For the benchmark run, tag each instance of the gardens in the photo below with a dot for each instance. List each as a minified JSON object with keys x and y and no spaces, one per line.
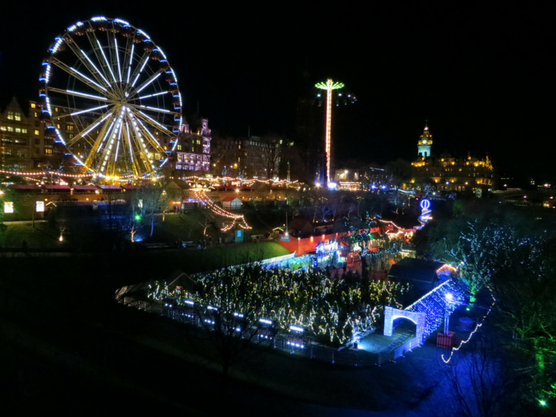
{"x":333,"y":311}
{"x":516,"y":264}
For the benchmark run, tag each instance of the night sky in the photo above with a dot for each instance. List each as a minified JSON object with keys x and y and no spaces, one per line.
{"x":482,"y":77}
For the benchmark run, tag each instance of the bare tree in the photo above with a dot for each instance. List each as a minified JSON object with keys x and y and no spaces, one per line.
{"x":228,"y":308}
{"x":270,"y":154}
{"x":145,"y":203}
{"x":480,"y":383}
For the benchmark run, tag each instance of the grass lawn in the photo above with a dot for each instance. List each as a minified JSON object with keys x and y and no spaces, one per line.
{"x":160,"y":264}
{"x":39,"y":237}
{"x":190,"y":227}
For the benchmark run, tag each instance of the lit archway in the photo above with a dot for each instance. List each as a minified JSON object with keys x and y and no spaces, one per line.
{"x":390,"y":314}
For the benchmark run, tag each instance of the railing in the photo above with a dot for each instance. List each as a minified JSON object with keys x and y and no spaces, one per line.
{"x":304,"y":347}
{"x":392,"y":355}
{"x":278,"y":259}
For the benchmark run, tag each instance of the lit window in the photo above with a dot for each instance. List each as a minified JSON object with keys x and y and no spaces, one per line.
{"x":24,"y":131}
{"x":69,"y":127}
{"x":17,"y":130}
{"x":33,"y":105}
{"x":47,"y":151}
{"x":37,"y":133}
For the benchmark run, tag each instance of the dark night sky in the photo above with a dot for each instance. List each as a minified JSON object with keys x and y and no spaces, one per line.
{"x":483,"y":77}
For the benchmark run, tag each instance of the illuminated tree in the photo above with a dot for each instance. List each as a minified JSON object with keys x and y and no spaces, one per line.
{"x":337,"y":310}
{"x":526,"y":287}
{"x":514,"y":255}
{"x":228,"y":305}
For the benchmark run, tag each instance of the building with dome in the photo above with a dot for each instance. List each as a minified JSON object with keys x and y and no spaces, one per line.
{"x":447,"y":173}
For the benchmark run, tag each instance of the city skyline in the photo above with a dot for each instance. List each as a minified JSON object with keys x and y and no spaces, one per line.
{"x":479,"y":79}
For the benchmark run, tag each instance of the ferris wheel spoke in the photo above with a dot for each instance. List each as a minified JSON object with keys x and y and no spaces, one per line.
{"x":139,"y":69}
{"x":113,"y":149}
{"x":155,"y":144}
{"x":127,"y":151}
{"x":142,"y":131}
{"x":130,"y":62}
{"x":87,"y":63}
{"x":111,"y":56}
{"x":134,"y":163}
{"x":104,"y":133}
{"x":103,"y":55}
{"x":83,"y":134}
{"x":90,"y":110}
{"x":149,"y":108}
{"x":138,"y":151}
{"x":79,"y":76}
{"x":149,"y":120}
{"x":146,"y":83}
{"x":150,"y":95}
{"x":96,"y":47}
{"x":76,"y":94}
{"x":117,"y":53}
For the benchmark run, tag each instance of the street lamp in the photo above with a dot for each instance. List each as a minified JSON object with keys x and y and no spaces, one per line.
{"x":449,"y":303}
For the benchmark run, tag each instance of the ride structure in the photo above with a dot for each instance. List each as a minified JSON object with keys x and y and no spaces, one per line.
{"x":109,"y":95}
{"x":329,"y":86}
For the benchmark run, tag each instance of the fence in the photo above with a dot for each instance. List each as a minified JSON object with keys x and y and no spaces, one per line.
{"x":296,"y":345}
{"x":278,"y":259}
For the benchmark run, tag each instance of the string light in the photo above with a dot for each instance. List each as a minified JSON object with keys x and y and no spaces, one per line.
{"x":44,"y":173}
{"x":201,"y":195}
{"x":236,"y":181}
{"x":463,"y":342}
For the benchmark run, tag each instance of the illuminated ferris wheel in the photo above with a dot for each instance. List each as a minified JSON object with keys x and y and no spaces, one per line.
{"x":110,"y":96}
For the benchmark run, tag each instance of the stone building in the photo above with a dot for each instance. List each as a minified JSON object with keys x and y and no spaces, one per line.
{"x":254,"y":157}
{"x":192,"y":153}
{"x":23,"y":146}
{"x":446,"y":173}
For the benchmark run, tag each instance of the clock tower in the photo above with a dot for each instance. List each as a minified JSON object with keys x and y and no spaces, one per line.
{"x":425,"y":143}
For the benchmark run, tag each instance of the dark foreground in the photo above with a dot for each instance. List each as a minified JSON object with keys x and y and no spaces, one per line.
{"x":85,"y":354}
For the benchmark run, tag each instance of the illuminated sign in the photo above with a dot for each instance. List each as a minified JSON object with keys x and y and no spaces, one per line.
{"x":39,"y":206}
{"x":425,"y":205}
{"x":8,"y":206}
